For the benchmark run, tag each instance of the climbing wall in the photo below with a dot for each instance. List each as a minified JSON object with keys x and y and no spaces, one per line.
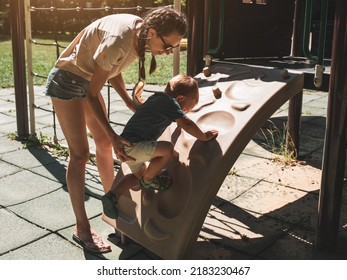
{"x":234,"y":99}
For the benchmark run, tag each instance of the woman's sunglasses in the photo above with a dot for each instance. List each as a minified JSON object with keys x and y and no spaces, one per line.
{"x":167,"y":47}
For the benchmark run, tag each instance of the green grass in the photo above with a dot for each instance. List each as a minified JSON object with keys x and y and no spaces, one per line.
{"x":6,"y":65}
{"x":45,"y":56}
{"x":275,"y":140}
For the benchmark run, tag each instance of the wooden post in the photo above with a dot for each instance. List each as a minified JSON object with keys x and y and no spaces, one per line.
{"x":176,"y":53}
{"x":334,"y":156}
{"x":18,"y":51}
{"x":195,"y":37}
{"x":294,"y":123}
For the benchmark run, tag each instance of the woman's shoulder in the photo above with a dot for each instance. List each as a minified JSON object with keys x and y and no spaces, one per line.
{"x":119,"y":19}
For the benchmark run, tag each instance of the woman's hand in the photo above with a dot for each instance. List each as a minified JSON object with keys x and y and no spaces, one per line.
{"x":132,"y":106}
{"x":118,"y":144}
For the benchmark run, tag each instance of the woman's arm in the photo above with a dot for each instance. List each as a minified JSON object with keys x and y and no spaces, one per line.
{"x":97,"y":82}
{"x":189,"y":126}
{"x":118,"y":84}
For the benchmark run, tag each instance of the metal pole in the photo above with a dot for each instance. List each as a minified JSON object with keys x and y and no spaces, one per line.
{"x":334,"y":156}
{"x":18,"y":50}
{"x":322,"y":31}
{"x":307,"y":30}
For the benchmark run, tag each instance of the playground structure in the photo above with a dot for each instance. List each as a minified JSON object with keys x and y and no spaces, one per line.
{"x":168,"y":223}
{"x":334,"y":158}
{"x":334,"y":154}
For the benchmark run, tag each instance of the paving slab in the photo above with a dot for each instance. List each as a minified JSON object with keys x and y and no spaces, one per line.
{"x":17,"y":232}
{"x":234,"y":186}
{"x":119,"y":251}
{"x":309,"y":146}
{"x":93,"y":182}
{"x":299,"y":244}
{"x":43,"y":117}
{"x":5,"y":119}
{"x":314,"y":159}
{"x":205,"y":249}
{"x":278,"y":202}
{"x":24,"y":186}
{"x":253,"y":167}
{"x":241,"y":230}
{"x":311,"y":110}
{"x":120,"y":117}
{"x":314,"y":127}
{"x":6,"y":106}
{"x":55,"y":171}
{"x":297,"y":176}
{"x":321,"y":102}
{"x":10,"y":113}
{"x":9,"y":127}
{"x":7,"y":145}
{"x":43,"y":102}
{"x":99,"y":226}
{"x":7,"y":92}
{"x":29,"y":158}
{"x":254,"y":149}
{"x":50,"y":247}
{"x":53,"y":210}
{"x":7,"y":169}
{"x":48,"y":131}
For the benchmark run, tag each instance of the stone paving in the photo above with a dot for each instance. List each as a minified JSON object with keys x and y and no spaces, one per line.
{"x":266,"y":209}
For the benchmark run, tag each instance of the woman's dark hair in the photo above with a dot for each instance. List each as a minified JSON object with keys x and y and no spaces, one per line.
{"x":164,"y":21}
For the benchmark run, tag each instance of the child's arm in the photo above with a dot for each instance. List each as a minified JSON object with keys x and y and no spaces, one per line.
{"x":189,"y":126}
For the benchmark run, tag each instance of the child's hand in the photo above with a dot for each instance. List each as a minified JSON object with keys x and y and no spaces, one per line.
{"x":211,"y":134}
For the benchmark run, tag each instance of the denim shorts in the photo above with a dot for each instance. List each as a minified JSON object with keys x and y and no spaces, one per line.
{"x":142,"y":152}
{"x":66,"y":85}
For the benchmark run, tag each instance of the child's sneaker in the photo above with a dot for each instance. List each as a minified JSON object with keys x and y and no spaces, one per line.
{"x":159,"y":183}
{"x":109,"y":202}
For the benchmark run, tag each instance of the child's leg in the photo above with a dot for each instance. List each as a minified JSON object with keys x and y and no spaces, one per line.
{"x":110,"y":199}
{"x":161,"y":157}
{"x":127,"y":182}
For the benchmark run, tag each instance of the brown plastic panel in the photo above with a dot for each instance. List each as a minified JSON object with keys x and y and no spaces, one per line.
{"x":168,"y":223}
{"x":253,"y":30}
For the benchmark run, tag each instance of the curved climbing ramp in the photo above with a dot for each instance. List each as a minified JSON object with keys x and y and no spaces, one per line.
{"x":234,"y":99}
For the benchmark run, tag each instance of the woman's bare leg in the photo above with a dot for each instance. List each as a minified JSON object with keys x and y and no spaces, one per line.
{"x":104,"y":151}
{"x":72,"y":121}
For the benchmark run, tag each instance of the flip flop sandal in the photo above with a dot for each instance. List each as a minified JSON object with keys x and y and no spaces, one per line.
{"x":109,"y":202}
{"x":137,"y":92}
{"x":91,"y":246}
{"x":159,"y":183}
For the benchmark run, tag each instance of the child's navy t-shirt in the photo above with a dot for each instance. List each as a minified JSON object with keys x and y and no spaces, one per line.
{"x":152,"y":118}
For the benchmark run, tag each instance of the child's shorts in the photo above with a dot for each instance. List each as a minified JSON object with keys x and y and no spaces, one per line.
{"x":66,"y":85}
{"x":142,"y":152}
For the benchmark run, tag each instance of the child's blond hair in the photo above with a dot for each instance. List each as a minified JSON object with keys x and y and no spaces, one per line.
{"x":182,"y":85}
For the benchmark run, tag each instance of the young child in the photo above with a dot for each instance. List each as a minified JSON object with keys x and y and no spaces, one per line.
{"x":145,"y":127}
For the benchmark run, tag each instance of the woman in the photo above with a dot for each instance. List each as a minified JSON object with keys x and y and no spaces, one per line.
{"x":99,"y":53}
